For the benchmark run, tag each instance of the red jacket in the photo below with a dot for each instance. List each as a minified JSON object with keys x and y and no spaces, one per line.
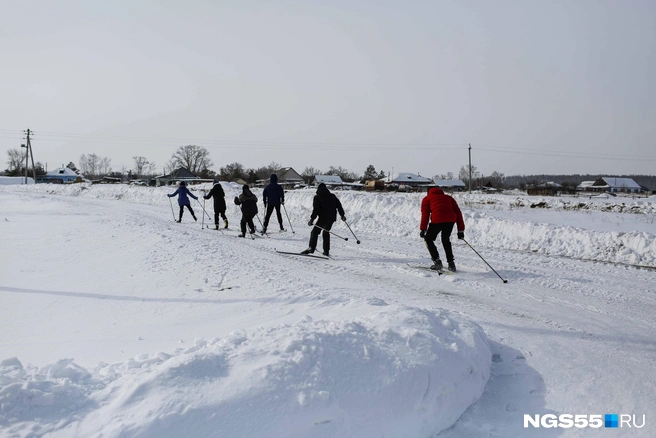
{"x":440,"y":208}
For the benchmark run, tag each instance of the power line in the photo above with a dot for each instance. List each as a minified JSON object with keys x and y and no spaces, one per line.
{"x":313,"y":145}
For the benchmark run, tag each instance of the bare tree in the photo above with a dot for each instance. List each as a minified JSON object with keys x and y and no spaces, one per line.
{"x":309,"y":173}
{"x":104,"y":166}
{"x":233,"y":171}
{"x":142,"y":167}
{"x":89,"y":164}
{"x":194,"y":158}
{"x":94,"y":165}
{"x":265,"y":171}
{"x":497,"y":178}
{"x":463,"y":175}
{"x":15,"y":159}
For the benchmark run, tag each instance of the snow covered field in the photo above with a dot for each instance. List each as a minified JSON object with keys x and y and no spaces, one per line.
{"x":117,"y":321}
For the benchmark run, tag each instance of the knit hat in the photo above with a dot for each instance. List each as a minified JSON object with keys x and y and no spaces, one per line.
{"x":245,"y":187}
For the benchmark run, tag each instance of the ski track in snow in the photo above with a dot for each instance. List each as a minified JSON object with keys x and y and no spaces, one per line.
{"x":557,"y":329}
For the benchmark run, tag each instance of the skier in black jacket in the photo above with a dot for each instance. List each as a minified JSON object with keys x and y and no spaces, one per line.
{"x":219,"y":204}
{"x":273,"y":196}
{"x":324,"y":206}
{"x":248,"y":202}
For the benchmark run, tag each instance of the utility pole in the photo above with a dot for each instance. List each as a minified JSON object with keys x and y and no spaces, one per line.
{"x":28,"y":154}
{"x":29,"y":147}
{"x":470,"y":179}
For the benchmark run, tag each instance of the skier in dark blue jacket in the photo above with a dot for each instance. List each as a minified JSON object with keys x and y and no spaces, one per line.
{"x":273,"y":197}
{"x":183,"y":201}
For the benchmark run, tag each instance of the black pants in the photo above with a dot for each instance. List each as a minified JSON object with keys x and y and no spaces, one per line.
{"x":433,"y":230}
{"x":216,"y":217}
{"x":268,"y":215}
{"x":314,"y":235}
{"x":190,"y":209}
{"x":247,"y":218}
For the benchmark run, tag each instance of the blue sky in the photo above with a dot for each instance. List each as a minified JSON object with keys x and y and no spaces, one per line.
{"x":534,"y":86}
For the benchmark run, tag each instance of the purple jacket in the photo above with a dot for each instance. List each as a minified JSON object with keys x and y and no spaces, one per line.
{"x":182,"y":193}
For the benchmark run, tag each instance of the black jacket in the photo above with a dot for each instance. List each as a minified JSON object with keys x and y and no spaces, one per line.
{"x":326,"y":205}
{"x":219,"y":197}
{"x":248,"y":201}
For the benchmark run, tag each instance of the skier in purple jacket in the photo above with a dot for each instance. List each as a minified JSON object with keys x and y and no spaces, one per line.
{"x":183,"y":201}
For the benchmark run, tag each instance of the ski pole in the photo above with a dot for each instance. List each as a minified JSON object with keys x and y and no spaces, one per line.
{"x":261,"y":225}
{"x":202,"y":222}
{"x":356,"y":237}
{"x":201,"y":206}
{"x":505,"y":281}
{"x":172,"y":212}
{"x":328,"y":231}
{"x":290,"y":222}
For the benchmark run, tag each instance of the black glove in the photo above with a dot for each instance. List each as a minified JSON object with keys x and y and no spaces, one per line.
{"x":311,"y":222}
{"x":237,"y":200}
{"x":344,"y":218}
{"x":461,"y":235}
{"x":422,"y":233}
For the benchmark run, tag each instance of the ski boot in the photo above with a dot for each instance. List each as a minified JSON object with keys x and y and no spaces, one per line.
{"x":452,"y":266}
{"x":437,"y":265}
{"x":308,"y":251}
{"x":225,"y":224}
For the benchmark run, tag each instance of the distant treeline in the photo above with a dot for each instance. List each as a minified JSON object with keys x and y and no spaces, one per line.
{"x":522,"y":181}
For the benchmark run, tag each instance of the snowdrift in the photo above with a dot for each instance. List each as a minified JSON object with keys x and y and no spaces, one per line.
{"x":401,"y":371}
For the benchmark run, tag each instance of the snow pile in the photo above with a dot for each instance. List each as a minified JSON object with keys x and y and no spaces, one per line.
{"x":398,"y":370}
{"x":599,"y":202}
{"x":14,"y":180}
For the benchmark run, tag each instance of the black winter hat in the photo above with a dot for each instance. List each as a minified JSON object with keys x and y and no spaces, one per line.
{"x":245,"y":188}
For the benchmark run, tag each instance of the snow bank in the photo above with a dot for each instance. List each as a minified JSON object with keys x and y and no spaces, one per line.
{"x":398,"y":215}
{"x":14,"y":180}
{"x":398,"y":371}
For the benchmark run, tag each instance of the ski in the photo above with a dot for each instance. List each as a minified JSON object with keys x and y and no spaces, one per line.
{"x":316,"y":256}
{"x":267,"y":233}
{"x":439,"y":272}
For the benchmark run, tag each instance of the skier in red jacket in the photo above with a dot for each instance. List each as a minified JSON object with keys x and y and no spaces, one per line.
{"x":443,"y":212}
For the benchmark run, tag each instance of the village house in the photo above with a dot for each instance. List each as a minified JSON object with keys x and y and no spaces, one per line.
{"x":610,"y":184}
{"x":60,"y":176}
{"x":180,"y":174}
{"x":329,"y":180}
{"x":450,"y":185}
